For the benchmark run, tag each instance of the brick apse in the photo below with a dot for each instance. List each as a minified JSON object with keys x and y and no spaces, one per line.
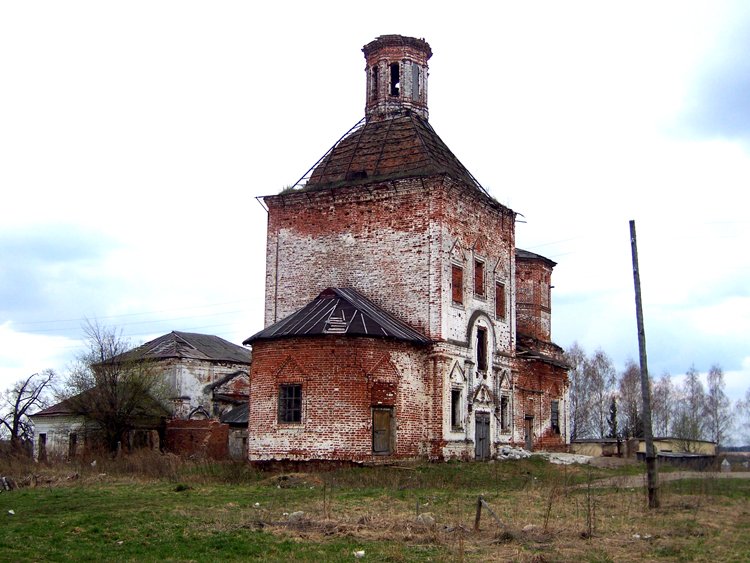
{"x":400,"y":319}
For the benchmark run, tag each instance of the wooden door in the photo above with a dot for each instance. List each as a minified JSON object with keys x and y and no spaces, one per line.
{"x":382,"y":435}
{"x":482,"y":435}
{"x":528,"y":432}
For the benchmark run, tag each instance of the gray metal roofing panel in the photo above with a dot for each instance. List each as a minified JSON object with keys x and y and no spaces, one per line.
{"x":342,"y":311}
{"x":177,"y":344}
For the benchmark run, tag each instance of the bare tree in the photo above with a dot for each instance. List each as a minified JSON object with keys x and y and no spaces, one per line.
{"x":689,"y":424}
{"x":629,"y":390}
{"x":113,"y":387}
{"x":718,"y":407}
{"x":600,"y":378}
{"x":663,"y":401}
{"x":580,"y":403}
{"x":742,"y":418}
{"x":25,"y":397}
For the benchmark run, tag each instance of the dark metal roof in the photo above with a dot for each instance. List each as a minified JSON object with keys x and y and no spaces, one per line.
{"x":404,"y":146}
{"x":526,"y":255}
{"x":238,"y":416}
{"x":64,"y":407}
{"x":341,"y":311}
{"x":189,"y":345}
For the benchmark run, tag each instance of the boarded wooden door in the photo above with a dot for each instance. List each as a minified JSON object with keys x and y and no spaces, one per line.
{"x":482,"y":435}
{"x":382,"y":435}
{"x":528,"y":432}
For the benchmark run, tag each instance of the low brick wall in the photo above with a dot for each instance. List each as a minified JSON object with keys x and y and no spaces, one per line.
{"x":198,"y":438}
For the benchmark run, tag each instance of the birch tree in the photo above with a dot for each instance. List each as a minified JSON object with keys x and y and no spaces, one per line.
{"x":690,"y":420}
{"x":580,"y":404}
{"x":663,"y":401}
{"x":629,"y":390}
{"x":718,"y":408}
{"x":600,"y":378}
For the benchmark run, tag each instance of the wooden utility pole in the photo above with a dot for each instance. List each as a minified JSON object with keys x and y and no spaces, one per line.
{"x":651,"y":472}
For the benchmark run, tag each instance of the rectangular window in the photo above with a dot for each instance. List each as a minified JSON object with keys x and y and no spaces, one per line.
{"x":290,"y":403}
{"x":478,"y":278}
{"x":504,"y":413}
{"x":555,"y":416}
{"x":457,"y":284}
{"x":500,"y":300}
{"x":382,"y":435}
{"x":481,"y":348}
{"x":455,"y":409}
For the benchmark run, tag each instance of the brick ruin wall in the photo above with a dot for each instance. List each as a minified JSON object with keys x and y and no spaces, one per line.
{"x":533,"y":306}
{"x":197,"y":438}
{"x":395,"y":243}
{"x":537,"y":384}
{"x":342,"y":379}
{"x":375,"y":240}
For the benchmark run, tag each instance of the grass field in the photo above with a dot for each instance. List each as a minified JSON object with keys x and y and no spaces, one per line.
{"x":150,"y":508}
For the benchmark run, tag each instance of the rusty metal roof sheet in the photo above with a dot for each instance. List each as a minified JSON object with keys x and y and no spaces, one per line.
{"x":340,"y":311}
{"x":191,"y":345}
{"x":404,"y":146}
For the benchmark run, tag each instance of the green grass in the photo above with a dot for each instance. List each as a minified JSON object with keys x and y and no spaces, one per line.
{"x":230,"y":512}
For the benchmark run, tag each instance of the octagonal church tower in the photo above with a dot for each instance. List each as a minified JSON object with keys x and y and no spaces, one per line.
{"x":390,"y":294}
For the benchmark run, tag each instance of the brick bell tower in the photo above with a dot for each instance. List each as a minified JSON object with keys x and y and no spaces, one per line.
{"x":396,"y":76}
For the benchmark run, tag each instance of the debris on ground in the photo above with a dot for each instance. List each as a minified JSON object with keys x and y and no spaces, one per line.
{"x":560,"y":458}
{"x":509,"y":452}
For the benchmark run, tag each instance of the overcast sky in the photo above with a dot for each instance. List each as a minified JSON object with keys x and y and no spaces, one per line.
{"x":135,"y":137}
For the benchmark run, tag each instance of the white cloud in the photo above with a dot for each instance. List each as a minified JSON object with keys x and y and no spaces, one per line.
{"x":24,"y":354}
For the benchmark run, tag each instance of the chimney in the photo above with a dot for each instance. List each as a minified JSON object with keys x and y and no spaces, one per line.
{"x":396,"y":76}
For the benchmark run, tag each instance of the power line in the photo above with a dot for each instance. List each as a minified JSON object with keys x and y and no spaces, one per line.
{"x":79,"y":319}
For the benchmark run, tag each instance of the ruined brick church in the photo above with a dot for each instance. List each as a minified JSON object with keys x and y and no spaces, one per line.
{"x":401,"y":321}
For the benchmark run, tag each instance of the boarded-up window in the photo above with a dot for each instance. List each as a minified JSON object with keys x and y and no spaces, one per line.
{"x":457,"y":283}
{"x":455,"y":409}
{"x":414,"y":81}
{"x":555,"y":416}
{"x":478,"y":278}
{"x":382,"y":436}
{"x":290,"y":403}
{"x":500,"y":300}
{"x":482,"y":349}
{"x":504,"y":413}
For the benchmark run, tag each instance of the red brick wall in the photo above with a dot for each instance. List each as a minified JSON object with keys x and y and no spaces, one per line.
{"x":342,"y":379}
{"x":393,"y":242}
{"x":537,"y":384}
{"x":375,"y":240}
{"x":533,"y":307}
{"x":200,"y":438}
